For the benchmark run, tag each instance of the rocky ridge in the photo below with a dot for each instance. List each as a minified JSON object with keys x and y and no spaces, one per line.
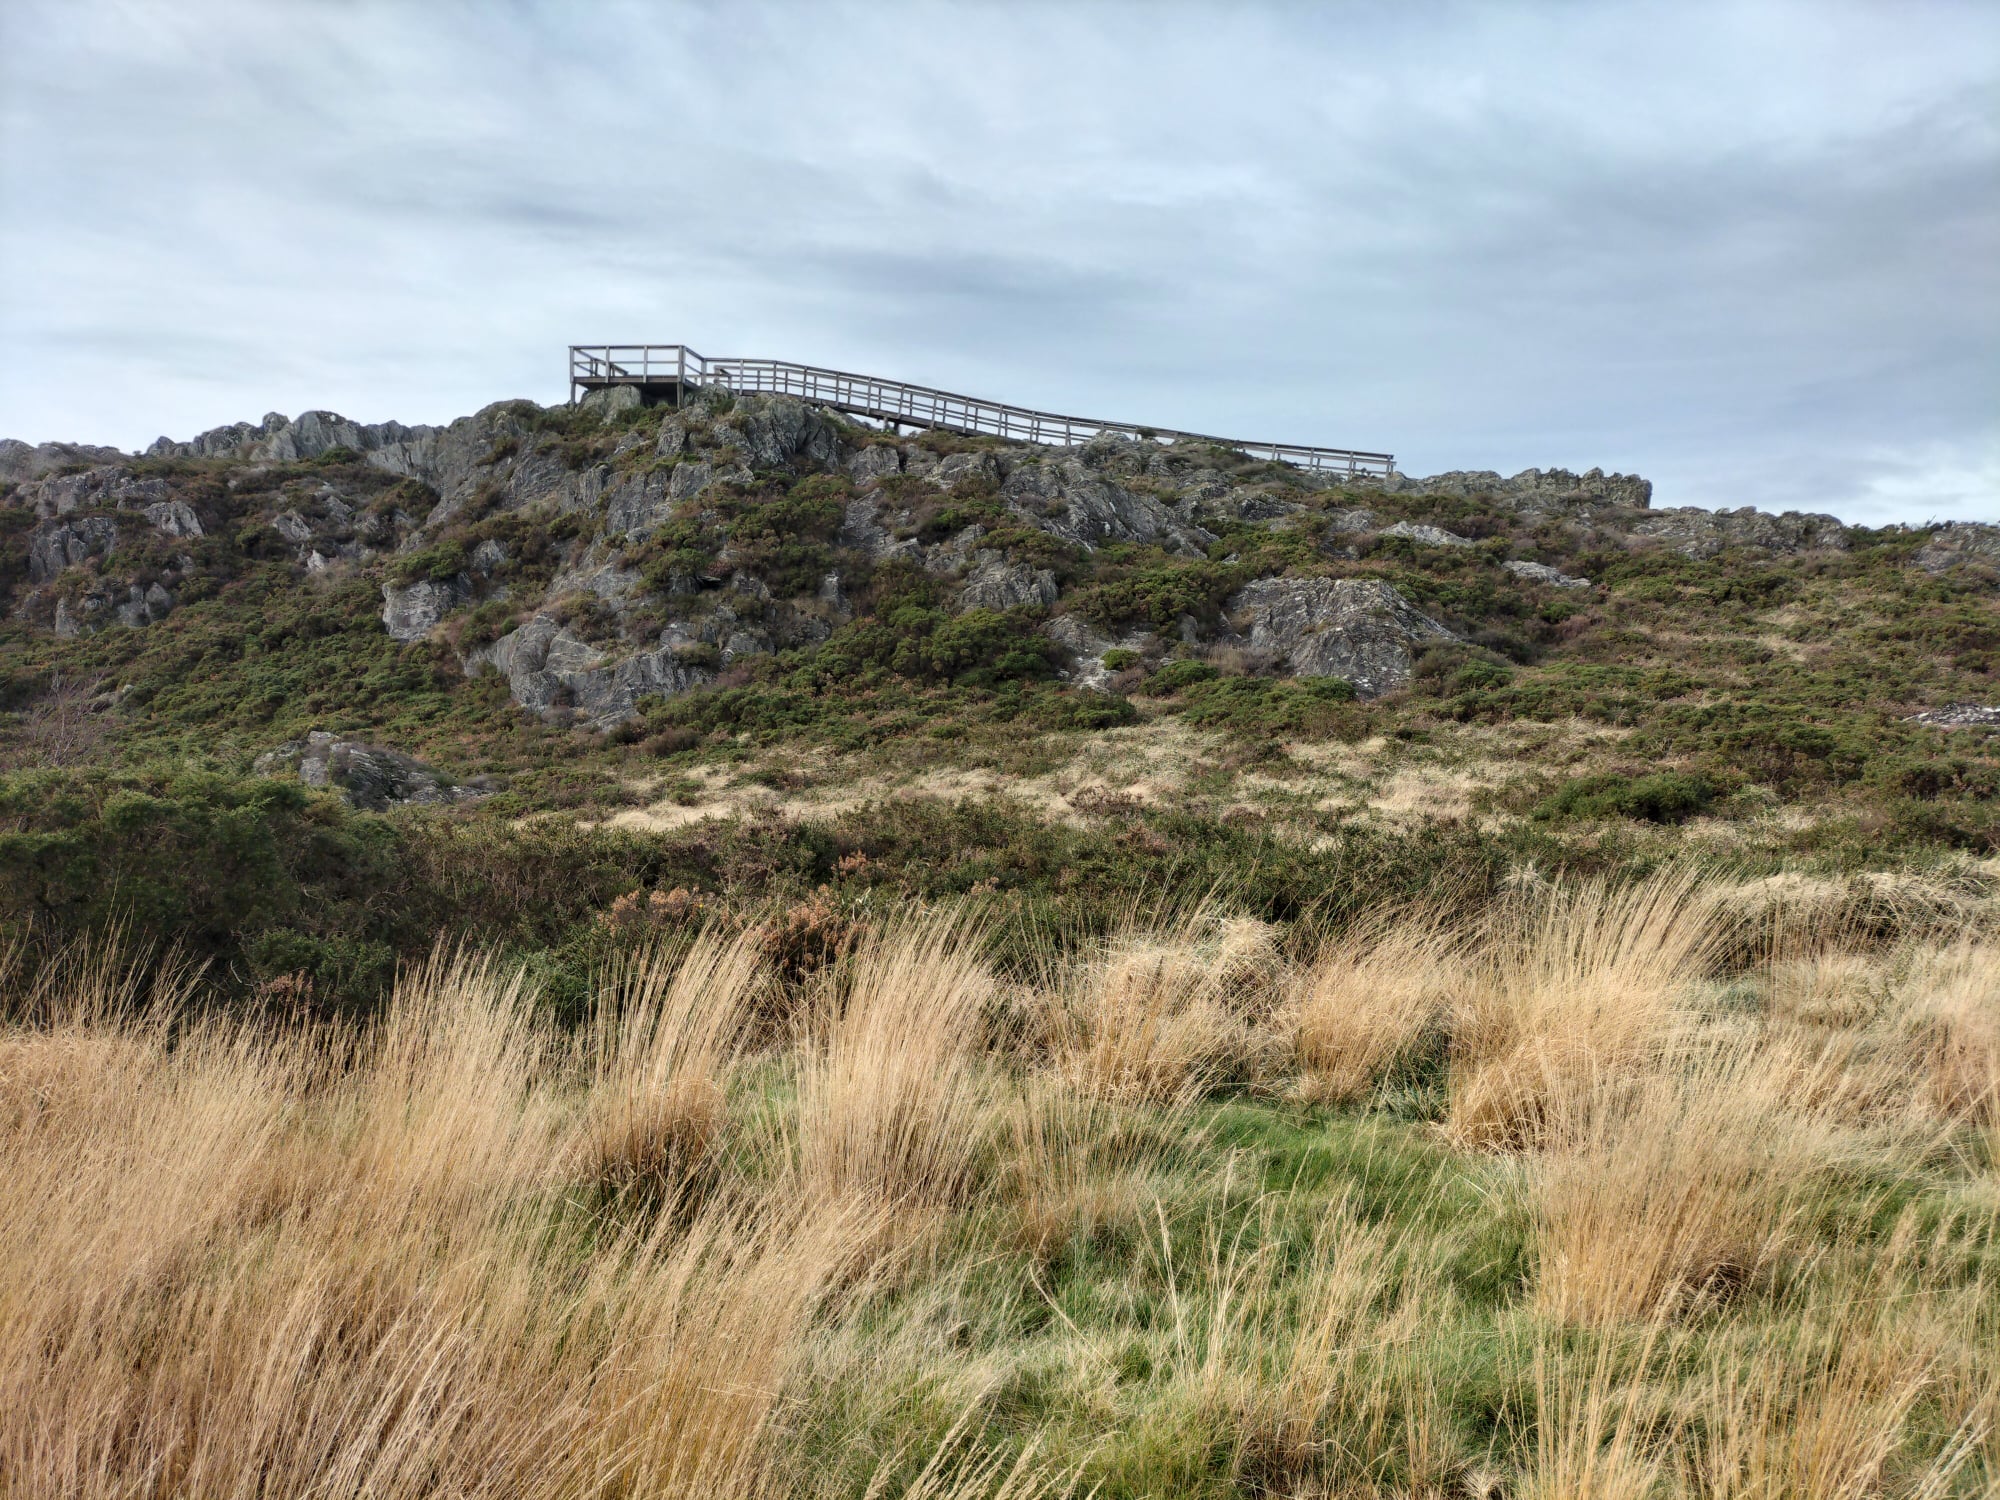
{"x":594,"y":558}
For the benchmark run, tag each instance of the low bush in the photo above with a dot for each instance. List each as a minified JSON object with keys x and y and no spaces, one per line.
{"x":1663,"y":797}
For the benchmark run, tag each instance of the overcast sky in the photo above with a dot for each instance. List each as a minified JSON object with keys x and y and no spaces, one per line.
{"x":1751,"y":251}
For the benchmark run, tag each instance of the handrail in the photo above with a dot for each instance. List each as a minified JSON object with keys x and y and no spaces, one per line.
{"x":596,"y":366}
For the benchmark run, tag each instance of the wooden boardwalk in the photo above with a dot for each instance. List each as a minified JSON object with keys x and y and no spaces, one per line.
{"x":671,"y":371}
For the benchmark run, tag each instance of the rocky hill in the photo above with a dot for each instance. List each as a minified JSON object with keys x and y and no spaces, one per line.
{"x":600,"y":557}
{"x":292,"y":696}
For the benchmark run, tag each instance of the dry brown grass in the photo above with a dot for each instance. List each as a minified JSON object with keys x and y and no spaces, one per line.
{"x":1582,"y":986}
{"x":1369,"y":1000}
{"x":666,"y":1026}
{"x":1670,"y":1189}
{"x":892,"y":1094}
{"x":236,"y":1261}
{"x":430,"y":1257}
{"x":1159,"y":1017}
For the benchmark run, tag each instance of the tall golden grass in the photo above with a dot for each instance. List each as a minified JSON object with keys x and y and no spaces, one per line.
{"x":462,"y":1251}
{"x":1579,"y":987}
{"x":240,"y":1261}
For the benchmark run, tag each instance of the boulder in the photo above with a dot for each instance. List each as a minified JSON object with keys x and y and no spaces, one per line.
{"x":368,"y":776}
{"x":875,"y":462}
{"x":1360,"y":629}
{"x":995,"y":583}
{"x":174,"y":518}
{"x":549,"y":667}
{"x":411,"y":611}
{"x":1534,"y":572}
{"x":1429,"y":536}
{"x":611,"y":400}
{"x":144,"y":606}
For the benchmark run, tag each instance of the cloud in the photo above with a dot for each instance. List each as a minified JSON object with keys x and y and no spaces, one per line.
{"x":1744,"y":249}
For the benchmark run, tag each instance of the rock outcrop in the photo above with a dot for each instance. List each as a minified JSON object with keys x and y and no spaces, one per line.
{"x":368,"y":776}
{"x":1533,"y":491}
{"x":995,"y":583}
{"x":1959,"y":716}
{"x":1961,"y":542}
{"x":1534,"y":572}
{"x":1356,"y":628}
{"x":56,"y":545}
{"x":1701,"y":534}
{"x":411,"y":611}
{"x":549,"y":667}
{"x":1429,"y":536}
{"x":21,"y":462}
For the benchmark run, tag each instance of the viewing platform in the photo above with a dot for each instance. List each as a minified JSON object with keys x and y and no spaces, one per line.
{"x":669,"y":373}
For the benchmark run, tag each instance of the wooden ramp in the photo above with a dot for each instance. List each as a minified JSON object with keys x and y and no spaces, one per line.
{"x":670,"y":372}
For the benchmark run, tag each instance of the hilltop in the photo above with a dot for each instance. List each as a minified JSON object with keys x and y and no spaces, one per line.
{"x":752,"y":624}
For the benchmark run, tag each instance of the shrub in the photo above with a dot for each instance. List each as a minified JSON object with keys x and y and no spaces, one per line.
{"x":1663,"y":797}
{"x":1177,"y":675}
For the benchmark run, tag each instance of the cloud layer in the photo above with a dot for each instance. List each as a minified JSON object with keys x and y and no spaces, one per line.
{"x":1747,"y":250}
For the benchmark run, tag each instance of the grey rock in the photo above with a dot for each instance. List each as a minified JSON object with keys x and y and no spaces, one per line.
{"x":174,"y":518}
{"x":489,"y":557}
{"x":292,"y":526}
{"x":368,"y":776}
{"x":281,"y":439}
{"x":1535,"y":572}
{"x":1429,"y":536}
{"x":876,"y":461}
{"x":690,"y":478}
{"x":639,"y":503}
{"x":20,"y":462}
{"x":412,"y":611}
{"x":1255,"y":505}
{"x":779,"y":432}
{"x":1061,"y":495}
{"x":1534,"y":490}
{"x":56,"y":545}
{"x":1359,"y":629}
{"x":143,"y":607}
{"x":995,"y":583}
{"x":609,"y":401}
{"x":1959,"y":716}
{"x":104,"y":487}
{"x":547,"y":667}
{"x":1697,"y":533}
{"x":1084,"y":645}
{"x":1960,"y":542}
{"x":957,"y":468}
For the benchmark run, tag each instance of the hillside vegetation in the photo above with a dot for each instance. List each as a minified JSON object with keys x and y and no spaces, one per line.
{"x":722,"y":951}
{"x":751,"y":651}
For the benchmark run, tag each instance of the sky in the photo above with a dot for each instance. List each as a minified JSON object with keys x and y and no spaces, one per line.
{"x":1751,"y":251}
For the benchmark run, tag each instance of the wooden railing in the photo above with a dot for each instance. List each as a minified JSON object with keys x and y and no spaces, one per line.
{"x":595,"y":366}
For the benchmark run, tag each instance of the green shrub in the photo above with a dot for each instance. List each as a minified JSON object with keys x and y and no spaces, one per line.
{"x":1663,"y":797}
{"x":1267,"y":706}
{"x":1178,"y":675}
